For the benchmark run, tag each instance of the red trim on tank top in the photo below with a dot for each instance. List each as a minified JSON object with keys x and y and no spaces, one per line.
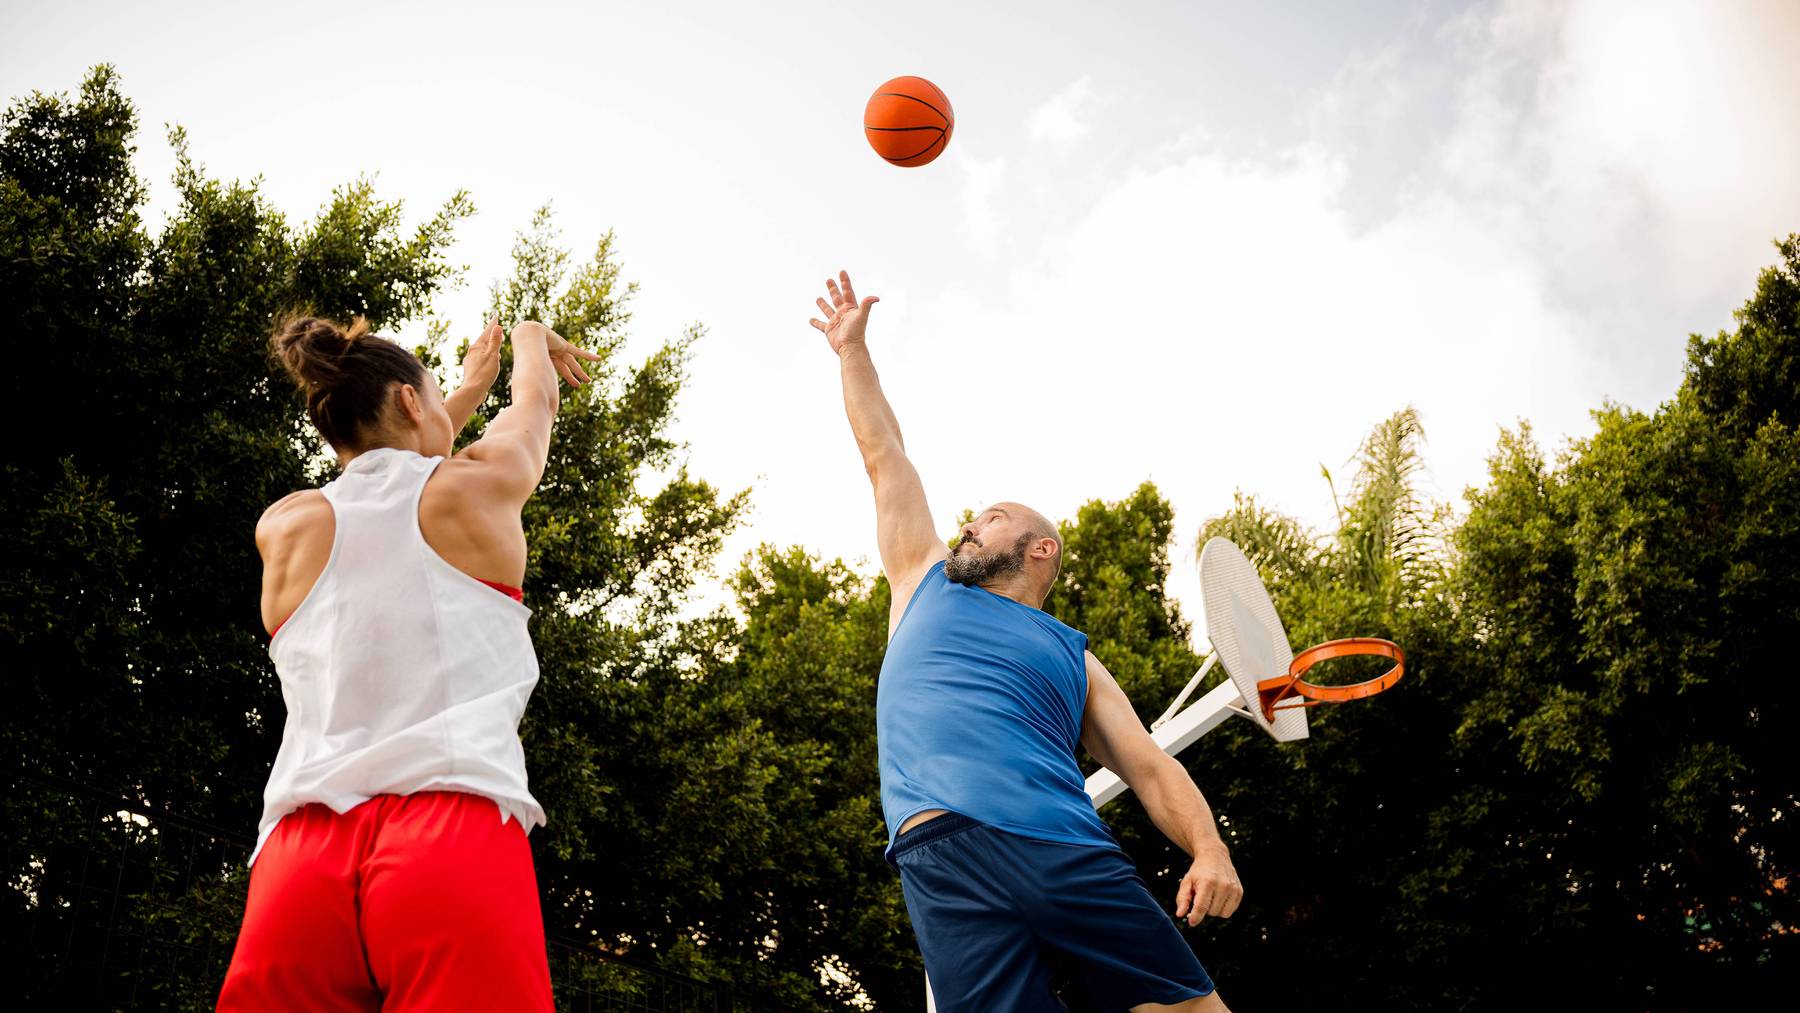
{"x":515,"y":593}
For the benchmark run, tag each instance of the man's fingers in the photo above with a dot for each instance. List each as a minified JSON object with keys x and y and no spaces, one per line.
{"x":1202,"y":904}
{"x":1183,"y":897}
{"x":820,"y":324}
{"x":825,"y":308}
{"x":582,"y":353}
{"x":849,"y":291}
{"x":1227,"y":903}
{"x":837,"y":298}
{"x":562,"y":368}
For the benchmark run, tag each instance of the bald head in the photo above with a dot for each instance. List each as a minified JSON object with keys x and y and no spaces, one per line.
{"x":1038,"y":527}
{"x":1008,"y":548}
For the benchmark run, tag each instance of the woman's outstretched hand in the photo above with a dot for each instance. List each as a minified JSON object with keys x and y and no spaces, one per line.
{"x":481,"y":365}
{"x":565,"y":357}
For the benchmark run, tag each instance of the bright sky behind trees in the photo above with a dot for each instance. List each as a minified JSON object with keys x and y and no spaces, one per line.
{"x":1207,"y":244}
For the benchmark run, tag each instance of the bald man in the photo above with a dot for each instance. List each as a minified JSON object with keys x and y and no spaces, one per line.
{"x":1008,"y":871}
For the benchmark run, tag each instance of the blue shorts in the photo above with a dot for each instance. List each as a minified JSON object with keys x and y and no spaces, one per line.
{"x":1000,"y":918}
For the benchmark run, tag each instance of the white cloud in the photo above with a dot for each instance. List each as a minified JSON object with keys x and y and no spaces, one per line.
{"x":1674,"y":127}
{"x":981,"y":218}
{"x":1647,"y":150}
{"x":1058,"y":122}
{"x":1215,"y":322}
{"x":1519,"y":213}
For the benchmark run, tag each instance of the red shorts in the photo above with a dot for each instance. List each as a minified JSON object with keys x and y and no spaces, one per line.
{"x":424,"y":901}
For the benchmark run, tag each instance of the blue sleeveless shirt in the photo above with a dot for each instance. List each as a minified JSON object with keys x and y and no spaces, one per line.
{"x":979,"y":712}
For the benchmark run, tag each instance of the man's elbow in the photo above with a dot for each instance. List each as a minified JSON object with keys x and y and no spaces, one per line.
{"x":882,"y":458}
{"x":1159,"y":775}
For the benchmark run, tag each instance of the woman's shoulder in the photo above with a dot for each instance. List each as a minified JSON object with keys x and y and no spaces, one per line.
{"x":457,"y":483}
{"x":293,"y":513}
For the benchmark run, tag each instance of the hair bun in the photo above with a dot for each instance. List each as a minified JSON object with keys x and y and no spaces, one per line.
{"x":312,"y":349}
{"x":346,"y":375}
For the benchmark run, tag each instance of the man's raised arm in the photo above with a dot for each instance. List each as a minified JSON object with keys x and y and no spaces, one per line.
{"x":908,"y":544}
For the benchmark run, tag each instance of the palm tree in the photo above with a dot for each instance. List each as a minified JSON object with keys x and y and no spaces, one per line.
{"x":1389,"y":548}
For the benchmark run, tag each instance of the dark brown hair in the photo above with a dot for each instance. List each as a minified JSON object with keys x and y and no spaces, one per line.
{"x":346,"y":374}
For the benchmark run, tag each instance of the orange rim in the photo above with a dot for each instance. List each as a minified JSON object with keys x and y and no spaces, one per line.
{"x":1273,"y":692}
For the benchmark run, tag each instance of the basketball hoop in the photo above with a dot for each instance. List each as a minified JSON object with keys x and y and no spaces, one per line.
{"x":1249,"y":641}
{"x":1271,"y":692}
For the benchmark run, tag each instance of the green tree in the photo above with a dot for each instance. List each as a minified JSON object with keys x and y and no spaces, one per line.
{"x":129,"y":618}
{"x":161,"y":434}
{"x":1622,"y":612}
{"x":663,"y":792}
{"x":153,"y":432}
{"x":808,"y":657}
{"x":1319,"y":827}
{"x":1582,"y":774}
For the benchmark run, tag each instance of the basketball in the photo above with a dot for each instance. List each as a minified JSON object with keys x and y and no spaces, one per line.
{"x":909,"y":121}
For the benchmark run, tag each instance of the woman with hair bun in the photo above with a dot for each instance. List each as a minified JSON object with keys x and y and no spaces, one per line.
{"x":391,"y":868}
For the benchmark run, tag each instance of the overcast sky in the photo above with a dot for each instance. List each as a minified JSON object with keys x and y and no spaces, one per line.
{"x":1205,"y":244}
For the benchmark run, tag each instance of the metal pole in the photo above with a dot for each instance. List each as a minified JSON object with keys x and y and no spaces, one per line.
{"x":1186,"y":728}
{"x":1186,"y":691}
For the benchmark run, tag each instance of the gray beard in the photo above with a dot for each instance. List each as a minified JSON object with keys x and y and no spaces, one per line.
{"x":979,"y":568}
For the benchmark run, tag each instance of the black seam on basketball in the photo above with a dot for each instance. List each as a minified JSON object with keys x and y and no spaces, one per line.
{"x":921,"y":151}
{"x":901,"y":130}
{"x":940,"y":94}
{"x":928,"y":105}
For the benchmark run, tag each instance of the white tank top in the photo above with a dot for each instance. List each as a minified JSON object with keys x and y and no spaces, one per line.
{"x":400,"y":672}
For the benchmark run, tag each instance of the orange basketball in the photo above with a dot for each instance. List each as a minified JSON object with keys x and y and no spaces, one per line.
{"x":909,"y":121}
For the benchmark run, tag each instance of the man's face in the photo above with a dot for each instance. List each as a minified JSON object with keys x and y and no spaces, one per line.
{"x":991,"y":546}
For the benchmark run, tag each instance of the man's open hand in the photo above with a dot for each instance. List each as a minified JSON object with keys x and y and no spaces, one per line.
{"x":845,"y":318}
